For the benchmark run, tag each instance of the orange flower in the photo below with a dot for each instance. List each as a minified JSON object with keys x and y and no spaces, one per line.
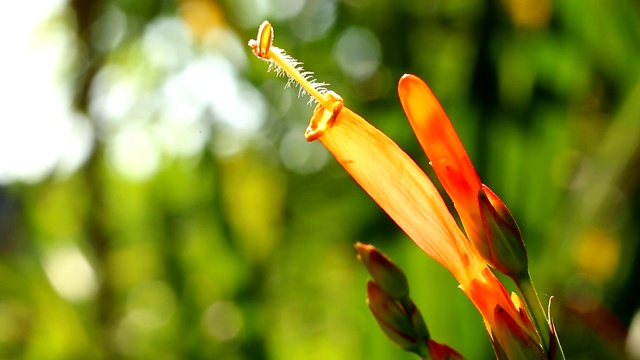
{"x":486,"y":220}
{"x":405,"y":193}
{"x":445,"y":151}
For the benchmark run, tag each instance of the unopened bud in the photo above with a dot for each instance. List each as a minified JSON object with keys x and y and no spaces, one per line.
{"x":516,"y":342}
{"x":384,"y":272}
{"x":505,"y":250}
{"x":404,"y":326}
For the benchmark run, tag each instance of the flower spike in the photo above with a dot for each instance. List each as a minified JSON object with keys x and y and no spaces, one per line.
{"x":398,"y":185}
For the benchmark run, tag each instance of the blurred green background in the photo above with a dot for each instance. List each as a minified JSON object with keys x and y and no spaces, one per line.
{"x":158,"y":199}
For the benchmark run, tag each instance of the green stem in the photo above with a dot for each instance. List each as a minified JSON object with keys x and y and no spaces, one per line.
{"x":422,"y":348}
{"x":530,"y":296}
{"x":533,"y":304}
{"x":556,"y":351}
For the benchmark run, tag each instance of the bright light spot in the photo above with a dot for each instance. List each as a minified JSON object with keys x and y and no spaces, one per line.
{"x":299,"y":155}
{"x":111,"y":95}
{"x":70,"y":273}
{"x":285,"y":9}
{"x":223,"y":321}
{"x":134,"y":153}
{"x":213,"y":82}
{"x":79,"y":140}
{"x":23,"y":16}
{"x":181,"y":129}
{"x":166,"y":43}
{"x":249,"y":13}
{"x":39,"y":131}
{"x":633,"y":338}
{"x":116,"y":92}
{"x":315,"y":19}
{"x":169,"y":101}
{"x":238,"y":109}
{"x":358,"y":53}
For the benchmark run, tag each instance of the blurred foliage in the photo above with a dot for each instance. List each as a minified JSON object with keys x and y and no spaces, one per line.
{"x":202,"y":225}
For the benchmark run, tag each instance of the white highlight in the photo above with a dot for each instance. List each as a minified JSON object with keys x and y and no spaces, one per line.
{"x":633,"y":338}
{"x":39,"y":131}
{"x":70,"y":273}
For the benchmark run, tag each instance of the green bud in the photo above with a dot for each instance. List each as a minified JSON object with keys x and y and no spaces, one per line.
{"x":506,"y":250}
{"x":403,"y":325}
{"x":384,"y":272}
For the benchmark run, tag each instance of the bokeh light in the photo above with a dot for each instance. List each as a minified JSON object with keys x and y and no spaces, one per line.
{"x":158,"y":198}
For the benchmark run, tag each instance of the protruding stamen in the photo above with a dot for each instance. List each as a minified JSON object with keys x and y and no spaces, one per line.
{"x":263,"y":48}
{"x":262,"y":44}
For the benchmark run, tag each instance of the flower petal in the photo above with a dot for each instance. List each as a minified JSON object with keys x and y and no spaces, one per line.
{"x":401,"y":188}
{"x":394,"y":181}
{"x":445,"y":151}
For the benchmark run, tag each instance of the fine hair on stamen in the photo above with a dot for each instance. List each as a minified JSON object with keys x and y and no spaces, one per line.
{"x":298,"y":66}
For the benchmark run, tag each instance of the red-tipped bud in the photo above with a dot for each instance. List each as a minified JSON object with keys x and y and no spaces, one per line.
{"x":516,"y":342}
{"x":504,"y":250}
{"x":384,"y":272}
{"x":439,"y":351}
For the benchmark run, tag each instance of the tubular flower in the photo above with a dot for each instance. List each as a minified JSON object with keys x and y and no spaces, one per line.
{"x":488,"y":223}
{"x":398,"y":185}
